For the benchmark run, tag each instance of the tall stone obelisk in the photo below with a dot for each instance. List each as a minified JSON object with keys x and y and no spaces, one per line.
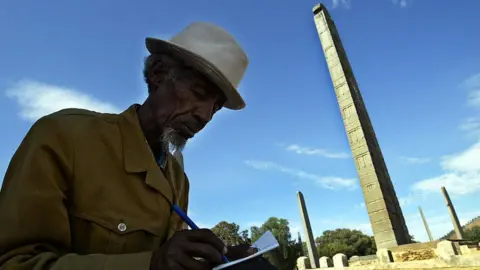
{"x":312,"y":249}
{"x":427,"y":228}
{"x":386,"y":218}
{"x":453,"y":215}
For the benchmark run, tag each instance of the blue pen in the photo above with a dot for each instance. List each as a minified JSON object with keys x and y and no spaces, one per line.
{"x":189,"y":222}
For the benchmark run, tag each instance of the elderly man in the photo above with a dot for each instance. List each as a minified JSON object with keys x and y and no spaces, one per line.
{"x":87,"y":190}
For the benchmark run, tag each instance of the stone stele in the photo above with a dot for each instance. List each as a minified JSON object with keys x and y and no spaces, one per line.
{"x":386,"y":217}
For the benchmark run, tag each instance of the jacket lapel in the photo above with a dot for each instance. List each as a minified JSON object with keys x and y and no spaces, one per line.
{"x":138,"y":157}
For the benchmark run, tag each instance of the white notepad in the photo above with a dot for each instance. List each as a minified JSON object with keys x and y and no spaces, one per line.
{"x":264,"y":244}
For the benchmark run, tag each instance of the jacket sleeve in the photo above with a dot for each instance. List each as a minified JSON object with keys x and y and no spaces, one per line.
{"x":34,"y":222}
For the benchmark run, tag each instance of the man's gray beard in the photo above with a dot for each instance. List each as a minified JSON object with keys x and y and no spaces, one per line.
{"x":172,"y":140}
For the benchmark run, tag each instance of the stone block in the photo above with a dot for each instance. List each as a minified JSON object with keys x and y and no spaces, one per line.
{"x":354,"y":258}
{"x":445,"y":250}
{"x":325,"y":262}
{"x":303,"y":263}
{"x":464,"y":249}
{"x":340,"y":260}
{"x":384,"y":256}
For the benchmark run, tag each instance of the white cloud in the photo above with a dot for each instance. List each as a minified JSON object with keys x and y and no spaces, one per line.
{"x":415,"y":160}
{"x":401,"y":3}
{"x":404,"y":201}
{"x":337,"y":182}
{"x":329,"y":182}
{"x":439,"y":225}
{"x":461,"y":174}
{"x":38,"y":99}
{"x":315,"y":151}
{"x":461,"y":171}
{"x":472,"y":84}
{"x":466,"y":161}
{"x":342,"y":3}
{"x":360,"y":205}
{"x":474,"y":98}
{"x":471,"y":126}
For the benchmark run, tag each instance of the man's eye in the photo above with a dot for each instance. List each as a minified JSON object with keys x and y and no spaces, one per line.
{"x":198,"y":90}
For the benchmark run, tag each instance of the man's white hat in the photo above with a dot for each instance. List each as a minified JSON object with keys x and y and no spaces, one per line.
{"x":213,"y":52}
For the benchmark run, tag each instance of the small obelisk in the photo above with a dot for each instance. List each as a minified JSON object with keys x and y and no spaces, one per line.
{"x":299,"y":238}
{"x":386,"y":217}
{"x":300,"y":244}
{"x":453,"y":215}
{"x":425,"y":224}
{"x":312,"y":249}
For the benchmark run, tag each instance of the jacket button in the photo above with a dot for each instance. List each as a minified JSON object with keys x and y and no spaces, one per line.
{"x":122,"y":227}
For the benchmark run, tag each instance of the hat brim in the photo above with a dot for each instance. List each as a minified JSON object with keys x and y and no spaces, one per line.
{"x":234,"y":100}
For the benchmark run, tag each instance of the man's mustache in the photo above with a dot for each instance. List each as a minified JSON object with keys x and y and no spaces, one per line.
{"x":194,"y":126}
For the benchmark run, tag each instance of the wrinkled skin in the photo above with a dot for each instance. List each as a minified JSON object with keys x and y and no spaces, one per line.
{"x":180,"y":103}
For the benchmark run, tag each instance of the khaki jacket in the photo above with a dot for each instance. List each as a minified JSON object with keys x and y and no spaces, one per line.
{"x":83,"y":191}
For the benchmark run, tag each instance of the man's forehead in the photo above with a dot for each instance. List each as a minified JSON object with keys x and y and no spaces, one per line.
{"x":189,"y":74}
{"x":203,"y":81}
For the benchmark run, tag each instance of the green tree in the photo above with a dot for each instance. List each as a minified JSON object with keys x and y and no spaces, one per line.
{"x":472,"y":234}
{"x":285,"y":256}
{"x":230,"y":233}
{"x":412,"y":239}
{"x":304,"y":249}
{"x":346,"y":241}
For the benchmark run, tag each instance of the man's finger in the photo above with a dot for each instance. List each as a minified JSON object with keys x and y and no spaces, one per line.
{"x":188,"y":262}
{"x":252,"y":250}
{"x":239,"y":251}
{"x":208,"y":237}
{"x":179,"y":266}
{"x":205,"y":251}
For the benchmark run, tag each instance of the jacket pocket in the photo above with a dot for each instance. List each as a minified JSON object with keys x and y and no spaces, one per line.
{"x":96,"y":234}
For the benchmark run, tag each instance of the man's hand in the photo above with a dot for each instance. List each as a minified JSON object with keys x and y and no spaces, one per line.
{"x":180,"y":251}
{"x":240,"y":251}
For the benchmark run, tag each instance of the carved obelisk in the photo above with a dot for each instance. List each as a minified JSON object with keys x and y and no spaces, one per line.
{"x":386,"y":217}
{"x":453,"y":215}
{"x":300,"y":244}
{"x":427,"y":228}
{"x":312,"y":250}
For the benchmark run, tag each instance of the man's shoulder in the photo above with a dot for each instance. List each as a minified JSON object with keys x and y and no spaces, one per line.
{"x":76,"y":120}
{"x":82,"y":115}
{"x":79,"y":116}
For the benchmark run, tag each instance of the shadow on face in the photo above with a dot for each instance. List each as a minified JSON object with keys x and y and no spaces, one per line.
{"x":182,"y":100}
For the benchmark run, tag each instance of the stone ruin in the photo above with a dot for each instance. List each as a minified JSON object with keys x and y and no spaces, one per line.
{"x":394,"y":247}
{"x":443,"y":254}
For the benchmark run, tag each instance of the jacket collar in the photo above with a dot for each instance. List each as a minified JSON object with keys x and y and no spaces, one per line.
{"x":138,"y":157}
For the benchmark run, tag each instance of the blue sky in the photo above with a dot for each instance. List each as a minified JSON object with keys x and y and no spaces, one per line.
{"x":416,"y":63}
